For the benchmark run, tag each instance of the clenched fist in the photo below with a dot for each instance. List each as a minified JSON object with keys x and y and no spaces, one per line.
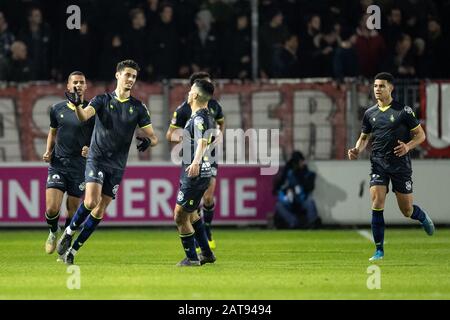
{"x":84,"y":151}
{"x":46,"y":156}
{"x":353,"y":153}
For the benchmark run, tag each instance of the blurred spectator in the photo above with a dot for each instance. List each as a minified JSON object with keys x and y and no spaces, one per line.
{"x":421,"y":10}
{"x":165,"y":46}
{"x":345,"y":56}
{"x":113,"y":52}
{"x":185,"y":12}
{"x":6,"y":37}
{"x":271,"y":36}
{"x":402,"y":63}
{"x":266,"y":9}
{"x":285,"y":61}
{"x":309,"y":48}
{"x":393,"y":29}
{"x":220,"y":46}
{"x":37,"y":38}
{"x":203,"y":46}
{"x":327,"y":44}
{"x":75,"y":53}
{"x":437,"y":49}
{"x":370,"y":48}
{"x":296,"y":207}
{"x":421,"y":62}
{"x":20,"y":67}
{"x":137,"y":42}
{"x":151,"y":11}
{"x":222,"y":14}
{"x":238,"y":44}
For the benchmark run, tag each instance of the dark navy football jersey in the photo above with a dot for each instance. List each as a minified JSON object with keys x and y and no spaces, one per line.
{"x":387,"y":127}
{"x":183,"y":113}
{"x":72,"y":135}
{"x":115,"y":124}
{"x":199,"y":126}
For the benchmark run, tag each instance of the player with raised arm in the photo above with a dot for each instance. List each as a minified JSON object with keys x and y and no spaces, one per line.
{"x":117,"y":115}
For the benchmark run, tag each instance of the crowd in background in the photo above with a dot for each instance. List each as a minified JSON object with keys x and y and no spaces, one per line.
{"x":172,"y":39}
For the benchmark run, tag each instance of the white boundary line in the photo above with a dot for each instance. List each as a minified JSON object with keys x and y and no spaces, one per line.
{"x":365,"y":234}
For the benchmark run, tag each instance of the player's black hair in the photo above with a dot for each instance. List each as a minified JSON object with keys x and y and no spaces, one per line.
{"x":127,"y":64}
{"x":199,"y":75}
{"x":75,"y":73}
{"x":385,"y":76}
{"x":206,"y":88}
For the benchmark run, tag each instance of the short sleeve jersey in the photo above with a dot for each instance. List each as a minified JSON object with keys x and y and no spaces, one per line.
{"x":183,"y":113}
{"x":197,"y":127}
{"x":71,"y":136}
{"x":387,"y":127}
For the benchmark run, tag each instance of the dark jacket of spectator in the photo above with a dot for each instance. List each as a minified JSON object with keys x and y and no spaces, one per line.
{"x":204,"y":46}
{"x":6,"y":37}
{"x":165,"y":46}
{"x":370,"y":48}
{"x":285,"y":61}
{"x":20,"y":68}
{"x":238,"y":46}
{"x":37,"y":38}
{"x":113,"y":52}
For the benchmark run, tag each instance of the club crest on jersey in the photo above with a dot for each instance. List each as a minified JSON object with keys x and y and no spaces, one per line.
{"x":131,"y":110}
{"x":198,"y":122}
{"x":392,"y":118}
{"x":409,"y":110}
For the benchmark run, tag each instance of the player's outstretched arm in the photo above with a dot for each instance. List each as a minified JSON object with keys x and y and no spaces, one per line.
{"x":51,"y":139}
{"x":361,"y":144}
{"x":84,"y":114}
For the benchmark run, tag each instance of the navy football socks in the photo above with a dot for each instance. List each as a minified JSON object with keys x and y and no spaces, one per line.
{"x":200,"y":237}
{"x":88,"y":228}
{"x":187,"y":240}
{"x":378,"y":228}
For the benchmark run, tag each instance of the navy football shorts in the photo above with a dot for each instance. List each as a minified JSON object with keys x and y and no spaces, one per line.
{"x":70,"y":182}
{"x":383,"y":171}
{"x":109,"y":178}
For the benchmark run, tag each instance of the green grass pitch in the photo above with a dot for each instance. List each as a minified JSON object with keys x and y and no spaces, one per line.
{"x":251,"y":264}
